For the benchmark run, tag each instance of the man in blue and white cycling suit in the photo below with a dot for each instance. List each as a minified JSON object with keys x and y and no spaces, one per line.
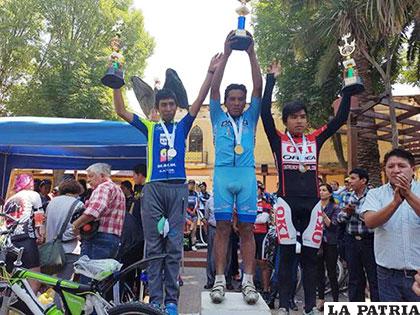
{"x":235,"y":183}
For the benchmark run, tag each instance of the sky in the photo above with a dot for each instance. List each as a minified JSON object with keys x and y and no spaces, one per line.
{"x":187,"y":34}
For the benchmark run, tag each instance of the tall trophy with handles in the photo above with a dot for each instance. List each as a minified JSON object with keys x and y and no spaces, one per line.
{"x":241,"y":40}
{"x":352,"y":83}
{"x":114,"y":76}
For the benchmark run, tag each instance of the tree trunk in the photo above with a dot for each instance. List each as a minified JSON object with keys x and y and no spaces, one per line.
{"x":367,"y":149}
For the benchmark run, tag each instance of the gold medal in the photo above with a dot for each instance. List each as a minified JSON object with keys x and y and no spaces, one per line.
{"x":239,"y":149}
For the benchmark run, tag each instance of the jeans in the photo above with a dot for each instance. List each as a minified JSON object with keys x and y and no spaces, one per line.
{"x":395,"y":286}
{"x":361,"y":259}
{"x":101,"y":246}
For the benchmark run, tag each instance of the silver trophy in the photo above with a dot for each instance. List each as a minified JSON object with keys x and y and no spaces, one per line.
{"x":352,"y":83}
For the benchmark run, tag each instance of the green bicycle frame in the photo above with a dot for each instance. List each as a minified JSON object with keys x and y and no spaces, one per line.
{"x":72,"y":294}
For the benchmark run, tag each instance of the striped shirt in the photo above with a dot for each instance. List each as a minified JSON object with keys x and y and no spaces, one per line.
{"x":108,"y":204}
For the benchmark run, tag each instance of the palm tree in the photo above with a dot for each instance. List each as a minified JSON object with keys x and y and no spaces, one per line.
{"x":380,"y":29}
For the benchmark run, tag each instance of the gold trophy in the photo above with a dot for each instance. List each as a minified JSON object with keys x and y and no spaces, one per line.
{"x":114,"y":76}
{"x":352,"y":83}
{"x":241,"y":40}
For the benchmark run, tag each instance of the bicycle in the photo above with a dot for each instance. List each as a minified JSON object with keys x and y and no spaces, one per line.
{"x":77,"y":299}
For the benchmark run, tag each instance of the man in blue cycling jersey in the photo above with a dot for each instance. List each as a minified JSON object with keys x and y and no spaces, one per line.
{"x":235,"y":183}
{"x":165,"y":193}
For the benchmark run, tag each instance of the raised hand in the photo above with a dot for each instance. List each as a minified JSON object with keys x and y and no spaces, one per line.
{"x":215,"y":62}
{"x":251,"y":49}
{"x":274,"y":68}
{"x":228,"y":42}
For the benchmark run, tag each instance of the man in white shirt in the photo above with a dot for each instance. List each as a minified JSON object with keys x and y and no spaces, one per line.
{"x":394,"y":211}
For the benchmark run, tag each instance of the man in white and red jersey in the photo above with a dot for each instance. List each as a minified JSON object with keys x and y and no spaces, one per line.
{"x":298,"y":209}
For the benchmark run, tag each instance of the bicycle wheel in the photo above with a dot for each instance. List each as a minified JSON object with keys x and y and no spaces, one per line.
{"x":17,"y":308}
{"x":134,"y":309}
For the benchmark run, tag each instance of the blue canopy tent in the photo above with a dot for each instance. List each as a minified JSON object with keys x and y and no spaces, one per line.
{"x":63,"y":143}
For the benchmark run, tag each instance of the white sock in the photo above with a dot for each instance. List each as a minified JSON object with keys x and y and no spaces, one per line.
{"x":220,"y":279}
{"x":248,"y":278}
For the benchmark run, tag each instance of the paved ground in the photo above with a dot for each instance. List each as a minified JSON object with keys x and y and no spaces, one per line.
{"x":194,"y":280}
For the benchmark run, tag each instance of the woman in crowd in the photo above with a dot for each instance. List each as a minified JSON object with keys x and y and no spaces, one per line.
{"x":328,"y":253}
{"x":57,"y":211}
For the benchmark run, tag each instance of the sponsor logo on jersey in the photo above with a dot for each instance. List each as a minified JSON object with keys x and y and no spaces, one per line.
{"x":290,"y":155}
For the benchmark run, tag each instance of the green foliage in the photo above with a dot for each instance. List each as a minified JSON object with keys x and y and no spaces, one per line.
{"x":303,"y":36}
{"x":71,"y":56}
{"x":279,"y":34}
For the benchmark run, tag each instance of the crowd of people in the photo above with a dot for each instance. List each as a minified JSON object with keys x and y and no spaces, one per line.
{"x":305,"y":223}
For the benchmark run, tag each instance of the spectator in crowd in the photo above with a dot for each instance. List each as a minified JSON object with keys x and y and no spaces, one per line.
{"x":393,"y":210}
{"x":106,"y":205}
{"x":359,"y":251}
{"x":139,"y":178}
{"x":334,"y":185}
{"x":192,"y":208}
{"x":261,"y":226}
{"x":44,"y":190}
{"x":416,"y":284}
{"x":127,"y":189}
{"x":328,"y":253}
{"x":165,"y":192}
{"x":37,"y":181}
{"x":132,"y":238}
{"x":210,"y":222}
{"x":203,"y":197}
{"x":86,"y":193}
{"x":57,"y":211}
{"x":26,"y":206}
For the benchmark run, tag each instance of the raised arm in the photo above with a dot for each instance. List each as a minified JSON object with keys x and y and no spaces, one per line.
{"x":120,"y":107}
{"x":218,"y":74}
{"x":266,"y":116}
{"x":256,"y":71}
{"x":214,"y":63}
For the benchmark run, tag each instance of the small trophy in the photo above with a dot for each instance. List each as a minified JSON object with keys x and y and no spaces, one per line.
{"x":352,"y":83}
{"x":114,"y":76}
{"x":241,"y":40}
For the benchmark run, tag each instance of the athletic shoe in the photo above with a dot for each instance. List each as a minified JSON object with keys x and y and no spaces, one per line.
{"x":194,"y":248}
{"x":217,"y":293}
{"x":283,"y":311}
{"x":171,"y":309}
{"x":249,"y":293}
{"x":314,"y":311}
{"x":292,"y":305}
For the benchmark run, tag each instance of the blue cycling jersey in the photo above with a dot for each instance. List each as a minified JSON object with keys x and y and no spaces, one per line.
{"x":160,"y":166}
{"x":224,"y":137}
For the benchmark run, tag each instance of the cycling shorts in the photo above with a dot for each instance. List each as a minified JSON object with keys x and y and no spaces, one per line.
{"x":235,"y":187}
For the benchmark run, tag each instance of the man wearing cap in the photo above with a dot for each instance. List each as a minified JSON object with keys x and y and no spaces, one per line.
{"x":165,"y":194}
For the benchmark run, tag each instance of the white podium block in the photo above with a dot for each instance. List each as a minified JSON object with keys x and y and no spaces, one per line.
{"x":233,"y":304}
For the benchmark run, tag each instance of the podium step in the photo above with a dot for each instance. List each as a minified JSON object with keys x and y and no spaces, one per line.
{"x":233,"y":304}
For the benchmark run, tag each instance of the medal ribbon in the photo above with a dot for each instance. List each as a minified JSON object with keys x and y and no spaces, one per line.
{"x":169,"y":137}
{"x":237,"y":131}
{"x":304,"y":148}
